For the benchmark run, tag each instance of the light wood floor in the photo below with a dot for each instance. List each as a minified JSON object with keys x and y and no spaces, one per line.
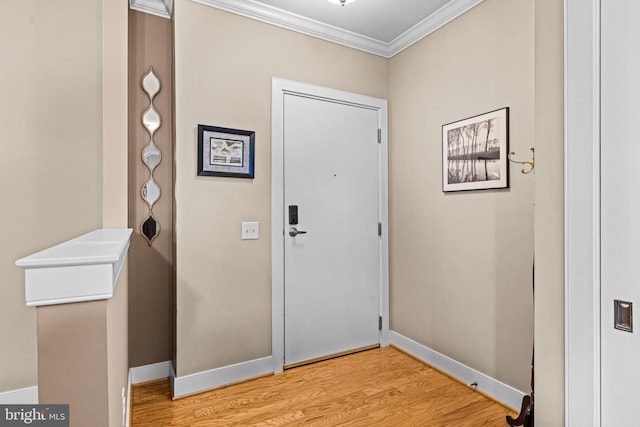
{"x":382,"y":387}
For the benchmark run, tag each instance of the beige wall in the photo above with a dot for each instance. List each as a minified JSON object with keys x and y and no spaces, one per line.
{"x":72,"y":350}
{"x":117,"y":350}
{"x":115,"y":184}
{"x":64,"y":93}
{"x":461,"y":263}
{"x":82,"y":357}
{"x":151,"y":272}
{"x":224,"y":64}
{"x":50,"y":151}
{"x":549,"y":241}
{"x":114,"y":113}
{"x":82,"y":347}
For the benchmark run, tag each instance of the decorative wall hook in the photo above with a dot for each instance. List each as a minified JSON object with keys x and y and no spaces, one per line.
{"x":529,"y":166}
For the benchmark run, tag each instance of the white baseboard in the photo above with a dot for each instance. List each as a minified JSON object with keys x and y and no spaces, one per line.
{"x":29,"y":395}
{"x":202,"y":381}
{"x":141,"y":374}
{"x":207,"y":380}
{"x":156,"y":371}
{"x":26,"y":396}
{"x":490,"y":386}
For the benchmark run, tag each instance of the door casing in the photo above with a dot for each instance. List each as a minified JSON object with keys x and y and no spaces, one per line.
{"x":582,"y":363}
{"x":280,"y":87}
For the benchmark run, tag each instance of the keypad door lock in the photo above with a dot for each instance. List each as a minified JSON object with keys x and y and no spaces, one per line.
{"x":293,"y":215}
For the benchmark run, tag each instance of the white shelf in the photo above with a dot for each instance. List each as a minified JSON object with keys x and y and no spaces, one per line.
{"x":82,"y":269}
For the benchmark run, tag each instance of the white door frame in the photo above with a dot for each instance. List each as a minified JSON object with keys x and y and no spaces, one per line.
{"x":279,"y":88}
{"x":582,"y":213}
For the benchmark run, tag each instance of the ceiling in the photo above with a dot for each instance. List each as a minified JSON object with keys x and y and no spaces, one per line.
{"x":381,"y":27}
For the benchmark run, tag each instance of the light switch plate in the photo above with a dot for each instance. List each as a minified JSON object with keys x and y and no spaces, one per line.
{"x":250,"y":230}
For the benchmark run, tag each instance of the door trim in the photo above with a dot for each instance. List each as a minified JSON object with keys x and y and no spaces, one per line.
{"x":582,"y":213}
{"x":279,"y":88}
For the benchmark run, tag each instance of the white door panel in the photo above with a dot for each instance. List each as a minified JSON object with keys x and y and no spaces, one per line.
{"x":620,"y":114}
{"x":331,"y":276}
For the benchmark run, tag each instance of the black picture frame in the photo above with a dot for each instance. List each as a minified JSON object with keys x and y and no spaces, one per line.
{"x":225,"y":152}
{"x":474,"y":152}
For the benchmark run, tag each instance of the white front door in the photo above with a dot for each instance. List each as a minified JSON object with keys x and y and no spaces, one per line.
{"x":620,"y":207}
{"x":329,"y":194}
{"x":332,"y":271}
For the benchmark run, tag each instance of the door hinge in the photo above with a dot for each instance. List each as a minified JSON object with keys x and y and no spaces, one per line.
{"x":380,"y":229}
{"x":379,"y":136}
{"x":379,"y":323}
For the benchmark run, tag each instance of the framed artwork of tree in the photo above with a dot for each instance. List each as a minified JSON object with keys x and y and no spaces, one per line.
{"x":474,"y":152}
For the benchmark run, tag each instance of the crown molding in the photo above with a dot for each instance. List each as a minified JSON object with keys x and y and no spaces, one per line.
{"x":162,"y":8}
{"x":436,"y":20}
{"x":298,"y":23}
{"x":290,"y":21}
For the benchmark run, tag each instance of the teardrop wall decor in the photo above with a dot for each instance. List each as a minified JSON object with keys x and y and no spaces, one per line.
{"x":151,"y":156}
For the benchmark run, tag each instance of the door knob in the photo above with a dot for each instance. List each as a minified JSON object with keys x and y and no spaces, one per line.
{"x":293,"y":232}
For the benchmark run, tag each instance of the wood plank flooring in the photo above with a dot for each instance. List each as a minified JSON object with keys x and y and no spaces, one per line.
{"x":382,"y":387}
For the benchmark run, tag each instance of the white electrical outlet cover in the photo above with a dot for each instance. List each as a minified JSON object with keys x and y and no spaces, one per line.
{"x":250,"y":230}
